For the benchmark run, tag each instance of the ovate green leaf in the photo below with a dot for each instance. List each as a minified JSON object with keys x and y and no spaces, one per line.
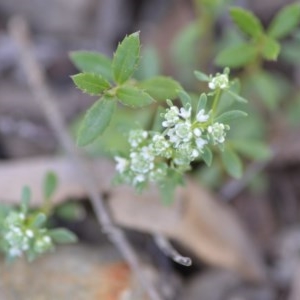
{"x":91,"y":84}
{"x":39,"y":220}
{"x":207,"y":156}
{"x":161,"y":87}
{"x":126,"y":58}
{"x":62,"y":236}
{"x":92,"y":62}
{"x":236,"y":56}
{"x":133,"y":96}
{"x":230,"y":115}
{"x":271,"y":49}
{"x":25,"y":199}
{"x":201,"y":102}
{"x":49,"y":185}
{"x":95,"y":121}
{"x":168,"y":186}
{"x":246,"y":21}
{"x":201,"y":76}
{"x":232,"y":163}
{"x":285,"y":21}
{"x":185,"y":99}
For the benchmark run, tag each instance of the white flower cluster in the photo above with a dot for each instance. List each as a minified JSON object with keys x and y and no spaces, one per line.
{"x":220,"y":81}
{"x":19,"y":238}
{"x":182,"y":141}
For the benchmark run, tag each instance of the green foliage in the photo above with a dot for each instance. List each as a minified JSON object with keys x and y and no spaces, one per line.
{"x":207,"y":156}
{"x":49,"y":185}
{"x":236,"y":56}
{"x":126,"y":58}
{"x":62,"y":236}
{"x":271,"y":49}
{"x":133,"y":96}
{"x":230,"y":115}
{"x":24,"y":231}
{"x":92,"y":62}
{"x":161,"y":150}
{"x":232,"y":163}
{"x":25,"y":199}
{"x":91,"y":84}
{"x":96,"y":120}
{"x":161,"y":87}
{"x":285,"y":21}
{"x":246,"y":21}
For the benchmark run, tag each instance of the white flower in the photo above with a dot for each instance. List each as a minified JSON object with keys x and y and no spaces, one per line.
{"x":161,"y":146}
{"x":139,"y":178}
{"x":29,"y":233}
{"x":217,"y":132}
{"x":122,"y":164}
{"x":171,"y":116}
{"x":220,"y":81}
{"x":136,"y":137}
{"x":183,"y":131}
{"x":185,"y":113}
{"x":197,"y":132}
{"x":200,"y":143}
{"x":201,"y":116}
{"x":141,"y":162}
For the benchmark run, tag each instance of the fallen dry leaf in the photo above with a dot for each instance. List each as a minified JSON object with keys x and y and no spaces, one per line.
{"x":196,"y":219}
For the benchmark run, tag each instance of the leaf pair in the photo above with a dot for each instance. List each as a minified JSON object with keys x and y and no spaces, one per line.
{"x":264,"y":42}
{"x":110,"y":79}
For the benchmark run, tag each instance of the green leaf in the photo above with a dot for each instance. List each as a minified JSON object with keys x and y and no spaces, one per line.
{"x":252,"y":149}
{"x":236,"y":96}
{"x":91,"y":84}
{"x":236,"y":56}
{"x":185,"y":99}
{"x":201,"y":76}
{"x":133,"y":96}
{"x":126,"y":58}
{"x":62,"y":236}
{"x":161,"y":87}
{"x":267,"y":87}
{"x":230,"y":115}
{"x":207,"y":156}
{"x":290,"y":52}
{"x":246,"y":21}
{"x":96,"y":120}
{"x":271,"y":49}
{"x":232,"y":163}
{"x":49,"y":185}
{"x":285,"y":21}
{"x":150,"y":64}
{"x":201,"y":102}
{"x":168,"y":186}
{"x":25,"y":199}
{"x":92,"y":62}
{"x":158,"y":119}
{"x":39,"y":220}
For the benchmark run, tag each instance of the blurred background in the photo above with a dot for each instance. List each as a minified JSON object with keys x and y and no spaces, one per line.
{"x":178,"y":37}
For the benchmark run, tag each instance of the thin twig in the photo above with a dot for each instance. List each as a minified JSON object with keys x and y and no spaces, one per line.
{"x":36,"y":80}
{"x":166,"y":247}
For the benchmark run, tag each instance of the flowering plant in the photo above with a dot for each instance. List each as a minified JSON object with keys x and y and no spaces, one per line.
{"x":25,"y":232}
{"x":190,"y":132}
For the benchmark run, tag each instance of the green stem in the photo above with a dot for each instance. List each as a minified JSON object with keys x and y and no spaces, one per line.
{"x":215,"y":103}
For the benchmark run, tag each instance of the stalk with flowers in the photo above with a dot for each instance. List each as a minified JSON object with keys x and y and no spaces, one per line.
{"x":192,"y":131}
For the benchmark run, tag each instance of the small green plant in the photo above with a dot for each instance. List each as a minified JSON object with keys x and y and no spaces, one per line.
{"x":24,"y":231}
{"x":179,"y":135}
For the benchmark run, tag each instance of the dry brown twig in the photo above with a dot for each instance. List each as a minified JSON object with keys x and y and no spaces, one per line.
{"x":37,"y":83}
